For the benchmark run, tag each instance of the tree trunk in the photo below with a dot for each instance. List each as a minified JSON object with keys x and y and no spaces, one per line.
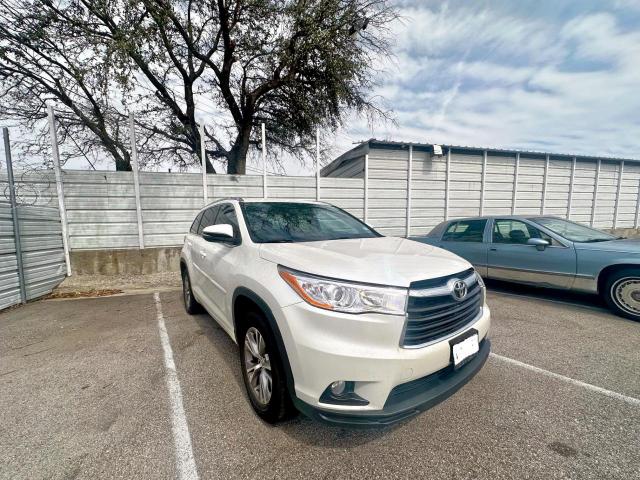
{"x":123,"y":165}
{"x":237,"y":160}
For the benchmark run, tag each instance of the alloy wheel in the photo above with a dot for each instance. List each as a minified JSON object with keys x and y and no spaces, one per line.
{"x":258,"y":366}
{"x":186,"y":290}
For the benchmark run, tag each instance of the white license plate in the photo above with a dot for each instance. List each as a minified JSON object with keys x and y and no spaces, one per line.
{"x":465,"y":349}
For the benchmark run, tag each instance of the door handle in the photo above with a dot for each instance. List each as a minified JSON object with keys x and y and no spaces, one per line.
{"x":203,"y":253}
{"x":493,"y":249}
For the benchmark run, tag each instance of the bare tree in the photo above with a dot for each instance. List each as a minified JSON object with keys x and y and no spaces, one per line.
{"x":293,"y":64}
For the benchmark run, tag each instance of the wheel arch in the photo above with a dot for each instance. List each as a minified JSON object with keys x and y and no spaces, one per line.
{"x":609,"y":270}
{"x":244,"y":298}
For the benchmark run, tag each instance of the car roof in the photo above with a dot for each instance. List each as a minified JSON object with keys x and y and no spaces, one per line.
{"x":506,"y":217}
{"x":260,"y":200}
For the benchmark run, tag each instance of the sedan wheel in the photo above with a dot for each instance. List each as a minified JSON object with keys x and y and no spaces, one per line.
{"x":627,"y":294}
{"x":622,"y":292}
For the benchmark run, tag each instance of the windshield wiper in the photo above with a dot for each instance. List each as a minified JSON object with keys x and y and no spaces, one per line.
{"x":594,"y":240}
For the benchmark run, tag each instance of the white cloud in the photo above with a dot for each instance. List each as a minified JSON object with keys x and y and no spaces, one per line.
{"x":495,"y":78}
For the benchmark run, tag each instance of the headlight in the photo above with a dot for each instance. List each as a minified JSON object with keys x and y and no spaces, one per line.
{"x":344,"y":296}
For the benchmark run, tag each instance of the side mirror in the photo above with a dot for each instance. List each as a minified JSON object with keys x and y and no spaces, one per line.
{"x":539,"y":243}
{"x":218,"y":233}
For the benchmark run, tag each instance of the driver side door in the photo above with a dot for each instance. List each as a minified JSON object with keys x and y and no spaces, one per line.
{"x":512,"y":259}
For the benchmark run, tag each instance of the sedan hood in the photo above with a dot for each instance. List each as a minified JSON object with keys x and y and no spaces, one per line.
{"x":385,"y":260}
{"x":626,"y":245}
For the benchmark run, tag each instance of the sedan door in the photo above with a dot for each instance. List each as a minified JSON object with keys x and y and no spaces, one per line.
{"x":511,"y":258}
{"x":466,"y":238}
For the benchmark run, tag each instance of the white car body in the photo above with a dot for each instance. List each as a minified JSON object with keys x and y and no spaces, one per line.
{"x":323,"y":346}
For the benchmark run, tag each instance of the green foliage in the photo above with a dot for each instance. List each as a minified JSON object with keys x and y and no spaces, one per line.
{"x":294,"y":64}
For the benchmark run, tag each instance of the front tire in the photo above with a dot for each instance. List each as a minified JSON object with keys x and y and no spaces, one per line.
{"x":622,"y":293}
{"x":262,"y":371}
{"x":190,"y":303}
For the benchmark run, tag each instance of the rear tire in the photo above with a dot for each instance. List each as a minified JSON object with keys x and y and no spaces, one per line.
{"x":621,"y":292}
{"x":190,"y":303}
{"x":262,"y":370}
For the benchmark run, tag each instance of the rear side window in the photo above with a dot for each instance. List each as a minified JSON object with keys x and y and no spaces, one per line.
{"x":196,"y":224}
{"x":208,"y":218}
{"x":465,"y":231}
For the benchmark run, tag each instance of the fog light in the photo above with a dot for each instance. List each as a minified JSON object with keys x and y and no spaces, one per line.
{"x":338,"y":388}
{"x":342,"y":392}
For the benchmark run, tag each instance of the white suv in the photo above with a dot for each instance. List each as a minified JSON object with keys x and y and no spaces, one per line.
{"x":332,"y":318}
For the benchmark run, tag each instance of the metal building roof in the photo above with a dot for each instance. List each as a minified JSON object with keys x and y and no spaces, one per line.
{"x":372,"y":143}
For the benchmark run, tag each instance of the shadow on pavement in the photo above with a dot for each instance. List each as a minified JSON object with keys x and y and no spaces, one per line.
{"x":301,"y":428}
{"x":542,"y":293}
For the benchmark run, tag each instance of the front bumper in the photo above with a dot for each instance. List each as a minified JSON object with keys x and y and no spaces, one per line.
{"x":324,"y":346}
{"x":409,"y":399}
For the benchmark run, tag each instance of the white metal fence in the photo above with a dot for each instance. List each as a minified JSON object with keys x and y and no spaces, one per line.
{"x":104,"y":211}
{"x":102,"y":207}
{"x":598,"y":192}
{"x":37,"y":257}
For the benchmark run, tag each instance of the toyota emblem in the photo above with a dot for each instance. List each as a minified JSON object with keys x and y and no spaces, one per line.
{"x":459,"y":290}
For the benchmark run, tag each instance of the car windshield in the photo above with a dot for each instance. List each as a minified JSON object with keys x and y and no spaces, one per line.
{"x":280,"y":222}
{"x":573,"y":231}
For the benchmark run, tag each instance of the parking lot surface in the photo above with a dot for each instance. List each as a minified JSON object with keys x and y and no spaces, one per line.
{"x":83,"y":394}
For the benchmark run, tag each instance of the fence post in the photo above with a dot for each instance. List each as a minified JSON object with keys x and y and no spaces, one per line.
{"x":264,"y":162}
{"x":595,"y":194}
{"x":447,"y":183}
{"x":483,"y":181}
{"x":544,"y":184}
{"x":59,"y":187}
{"x":366,"y":189}
{"x":571,"y":182}
{"x":318,"y":164}
{"x":14,"y":216}
{"x":616,"y":208}
{"x":203,"y":154}
{"x":136,"y":180}
{"x":409,"y":173}
{"x":514,"y":197}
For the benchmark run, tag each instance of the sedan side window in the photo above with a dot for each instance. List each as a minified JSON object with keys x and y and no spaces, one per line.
{"x":465,"y":231}
{"x":208,"y":218}
{"x":516,"y":232}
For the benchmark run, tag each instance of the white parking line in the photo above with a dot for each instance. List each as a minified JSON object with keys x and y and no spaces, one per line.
{"x":618,"y":396}
{"x":185,"y":462}
{"x":529,"y":297}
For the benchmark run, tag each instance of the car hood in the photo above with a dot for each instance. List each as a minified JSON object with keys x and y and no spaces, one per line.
{"x":383,"y":260}
{"x":626,"y":245}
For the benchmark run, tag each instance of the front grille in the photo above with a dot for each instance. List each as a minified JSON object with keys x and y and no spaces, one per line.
{"x":433,"y":312}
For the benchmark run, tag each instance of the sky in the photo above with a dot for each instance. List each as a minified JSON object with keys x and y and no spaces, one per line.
{"x":558,"y":76}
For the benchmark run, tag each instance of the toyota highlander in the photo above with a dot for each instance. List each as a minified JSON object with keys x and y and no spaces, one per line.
{"x":332,"y":318}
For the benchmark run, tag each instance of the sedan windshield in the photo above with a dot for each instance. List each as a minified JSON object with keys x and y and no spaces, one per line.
{"x":280,"y":222}
{"x":573,"y":231}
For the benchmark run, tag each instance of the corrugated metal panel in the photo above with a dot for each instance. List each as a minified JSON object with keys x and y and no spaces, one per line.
{"x":388,"y":170}
{"x":42,"y":252}
{"x":102,"y":211}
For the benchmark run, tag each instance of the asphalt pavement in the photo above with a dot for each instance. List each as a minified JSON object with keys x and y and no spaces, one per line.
{"x":83,"y":394}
